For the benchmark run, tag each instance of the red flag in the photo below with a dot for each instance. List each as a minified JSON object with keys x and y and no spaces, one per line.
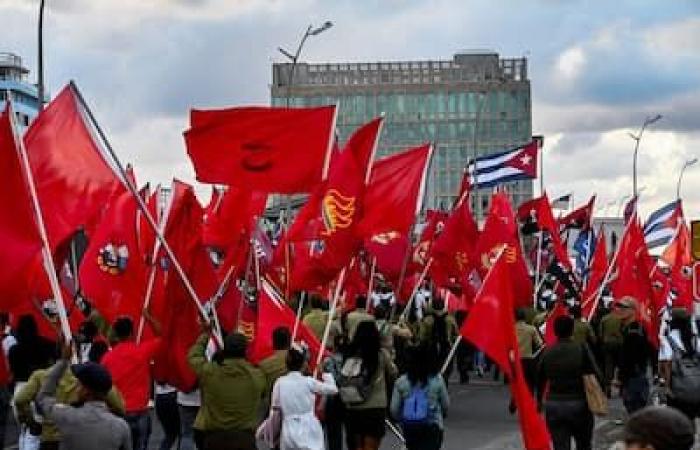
{"x":500,"y":230}
{"x":596,"y":274}
{"x":273,"y":312}
{"x":329,"y":219}
{"x":284,"y":150}
{"x":74,"y":179}
{"x":389,"y":249}
{"x":678,"y":256}
{"x":396,"y":184}
{"x":579,"y":218}
{"x":454,"y":250}
{"x":539,"y":210}
{"x":434,"y":225}
{"x":491,"y":328}
{"x":19,"y":236}
{"x":113,"y":270}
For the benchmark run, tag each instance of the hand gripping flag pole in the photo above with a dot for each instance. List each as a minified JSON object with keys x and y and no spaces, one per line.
{"x":147,"y":214}
{"x":49,"y":265}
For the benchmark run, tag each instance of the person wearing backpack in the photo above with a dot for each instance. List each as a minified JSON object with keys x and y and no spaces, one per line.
{"x":362,"y":385}
{"x":420,"y":401}
{"x":679,"y":364}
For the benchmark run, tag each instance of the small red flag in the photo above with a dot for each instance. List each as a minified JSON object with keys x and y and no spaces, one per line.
{"x":490,"y":326}
{"x":596,"y":274}
{"x":285,"y":150}
{"x":579,"y":218}
{"x":501,"y":230}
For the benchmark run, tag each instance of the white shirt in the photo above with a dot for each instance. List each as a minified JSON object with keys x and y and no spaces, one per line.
{"x":665,"y":348}
{"x":378,"y":298}
{"x":193,"y":398}
{"x":296,"y":395}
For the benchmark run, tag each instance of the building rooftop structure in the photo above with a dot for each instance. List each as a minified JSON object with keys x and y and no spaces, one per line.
{"x":14,"y":85}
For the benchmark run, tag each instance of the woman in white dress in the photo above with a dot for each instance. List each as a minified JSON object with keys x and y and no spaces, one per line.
{"x":295,"y":395}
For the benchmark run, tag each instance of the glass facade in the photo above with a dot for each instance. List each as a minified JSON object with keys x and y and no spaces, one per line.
{"x":455,"y":105}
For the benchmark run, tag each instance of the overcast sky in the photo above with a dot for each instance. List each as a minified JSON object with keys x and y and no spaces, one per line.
{"x":597,"y":69}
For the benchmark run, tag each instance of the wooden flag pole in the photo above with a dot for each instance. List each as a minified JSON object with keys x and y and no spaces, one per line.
{"x":538,"y":268}
{"x":409,"y":303}
{"x":49,"y":265}
{"x":297,"y":319}
{"x":147,"y":214}
{"x":331,"y":314}
{"x":370,"y":285}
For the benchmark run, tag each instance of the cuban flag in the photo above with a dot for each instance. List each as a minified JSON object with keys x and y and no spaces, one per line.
{"x":661,"y":225}
{"x":512,"y":165}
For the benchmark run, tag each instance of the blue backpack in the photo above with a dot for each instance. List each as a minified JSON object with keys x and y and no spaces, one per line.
{"x":415,"y":407}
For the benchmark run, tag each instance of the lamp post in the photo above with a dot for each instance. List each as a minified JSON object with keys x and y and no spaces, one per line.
{"x":310,"y":31}
{"x":687,"y":164}
{"x":40,"y":57}
{"x":638,"y":137}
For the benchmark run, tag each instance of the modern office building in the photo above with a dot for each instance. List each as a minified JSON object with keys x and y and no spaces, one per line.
{"x":474,"y":104}
{"x":14,"y":85}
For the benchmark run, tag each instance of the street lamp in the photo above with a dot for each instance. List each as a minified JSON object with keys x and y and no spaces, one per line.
{"x":687,"y":164}
{"x":40,"y":57}
{"x":638,"y":137}
{"x":311,"y":31}
{"x":620,"y":203}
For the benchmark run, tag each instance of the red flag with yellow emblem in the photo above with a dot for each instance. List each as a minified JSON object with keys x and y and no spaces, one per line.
{"x":501,"y":230}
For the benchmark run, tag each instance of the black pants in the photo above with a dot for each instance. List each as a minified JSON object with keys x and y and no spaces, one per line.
{"x":529,"y":366}
{"x":229,"y":440}
{"x":567,"y":419}
{"x":5,"y":398}
{"x":140,"y":426}
{"x":635,"y":393}
{"x":169,"y":418}
{"x":422,"y":437}
{"x":333,"y":423}
{"x":465,"y":360}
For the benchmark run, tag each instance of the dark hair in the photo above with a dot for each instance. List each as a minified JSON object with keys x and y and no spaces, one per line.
{"x":235,"y":346}
{"x":575,"y":311}
{"x":564,"y":326}
{"x":663,"y":428}
{"x":97,"y":351}
{"x":295,"y":360}
{"x":360,"y":302}
{"x":684,"y":327}
{"x":123,"y":328}
{"x":316,"y":301}
{"x":26,"y":330}
{"x":419,"y":364}
{"x":281,"y":338}
{"x":88,"y":329}
{"x":366,"y":344}
{"x":438,"y":303}
{"x":520,"y":314}
{"x":380,"y":312}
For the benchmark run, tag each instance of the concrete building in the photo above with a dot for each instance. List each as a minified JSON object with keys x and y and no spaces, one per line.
{"x":474,"y":104}
{"x":14,"y":85}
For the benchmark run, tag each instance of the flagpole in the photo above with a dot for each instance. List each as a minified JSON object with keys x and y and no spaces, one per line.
{"x":423,"y":274}
{"x":453,"y":350}
{"x":331,"y":314}
{"x":300,"y":309}
{"x":49,"y":266}
{"x":370,"y":285}
{"x":144,"y":209}
{"x":538,"y":268}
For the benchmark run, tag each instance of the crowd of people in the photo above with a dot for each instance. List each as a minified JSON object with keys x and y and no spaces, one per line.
{"x":386,"y":369}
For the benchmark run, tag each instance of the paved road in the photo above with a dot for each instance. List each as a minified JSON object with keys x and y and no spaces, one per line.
{"x":478,"y":420}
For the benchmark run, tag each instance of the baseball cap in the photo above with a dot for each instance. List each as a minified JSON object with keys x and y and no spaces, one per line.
{"x":93,"y":376}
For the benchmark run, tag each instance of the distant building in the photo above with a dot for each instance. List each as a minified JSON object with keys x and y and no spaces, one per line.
{"x":474,"y":104}
{"x":14,"y":85}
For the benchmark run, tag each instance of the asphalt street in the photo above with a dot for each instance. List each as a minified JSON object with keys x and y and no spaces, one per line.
{"x":478,"y":420}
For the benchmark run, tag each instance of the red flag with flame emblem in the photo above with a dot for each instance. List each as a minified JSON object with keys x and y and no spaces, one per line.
{"x":329,"y":218}
{"x":501,"y":230}
{"x":454,"y":250}
{"x":285,"y":150}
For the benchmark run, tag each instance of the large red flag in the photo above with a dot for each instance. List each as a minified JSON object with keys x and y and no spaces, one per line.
{"x":596,"y":274}
{"x":491,"y":328}
{"x":113,"y":269}
{"x":678,"y":256}
{"x":73,"y":177}
{"x":330,"y":217}
{"x":268,"y":149}
{"x":19,"y":236}
{"x":501,"y":230}
{"x":396,"y":185}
